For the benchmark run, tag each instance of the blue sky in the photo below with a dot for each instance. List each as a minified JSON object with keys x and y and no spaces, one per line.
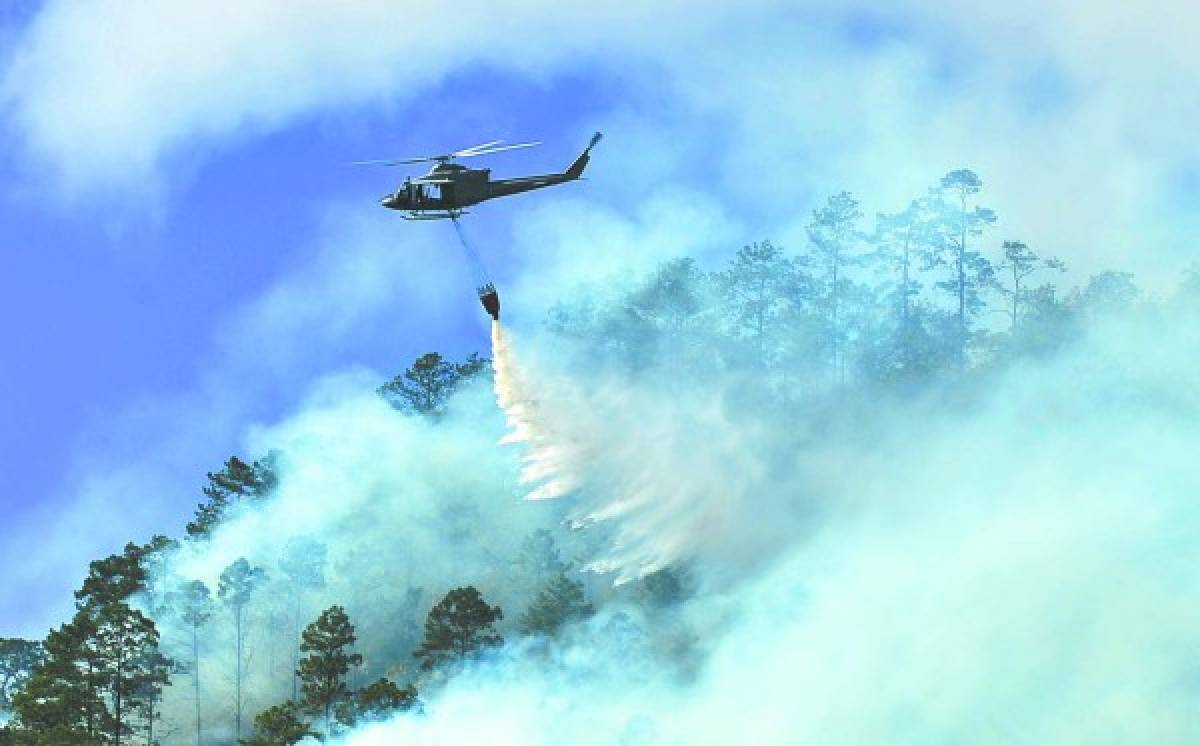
{"x":100,"y":316}
{"x":187,"y":252}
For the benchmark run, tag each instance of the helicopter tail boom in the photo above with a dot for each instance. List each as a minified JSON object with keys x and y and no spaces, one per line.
{"x":576,"y":168}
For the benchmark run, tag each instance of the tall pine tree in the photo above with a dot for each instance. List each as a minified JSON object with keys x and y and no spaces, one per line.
{"x":236,"y":589}
{"x":323,"y":671}
{"x":970,"y":274}
{"x":195,"y":607}
{"x":458,"y":627}
{"x":560,"y":602}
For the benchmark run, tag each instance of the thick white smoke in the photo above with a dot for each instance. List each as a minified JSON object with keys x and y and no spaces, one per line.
{"x":1016,"y":567}
{"x":406,"y":509}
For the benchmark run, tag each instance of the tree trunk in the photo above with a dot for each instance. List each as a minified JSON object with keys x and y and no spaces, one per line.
{"x":237,"y":615}
{"x":837,"y":329}
{"x":1016,"y":296}
{"x":150,"y":720}
{"x":117,"y":701}
{"x":962,"y":288}
{"x":761,"y":323}
{"x":295,"y":648}
{"x":91,"y":715}
{"x":196,"y":678}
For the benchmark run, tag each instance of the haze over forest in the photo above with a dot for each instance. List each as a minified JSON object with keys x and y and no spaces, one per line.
{"x":894,"y":484}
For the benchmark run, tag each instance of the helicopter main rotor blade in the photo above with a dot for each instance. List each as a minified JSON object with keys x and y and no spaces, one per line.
{"x":481,"y":149}
{"x":375,"y":163}
{"x":473,"y":148}
{"x":489,"y":151}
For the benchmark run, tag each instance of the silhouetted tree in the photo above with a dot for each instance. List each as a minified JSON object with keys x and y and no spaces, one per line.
{"x":280,"y":725}
{"x":458,"y":627}
{"x":376,"y":702}
{"x":133,"y":671}
{"x":235,"y":482}
{"x":323,"y":671}
{"x":559,"y":603}
{"x":428,"y":383}
{"x":663,"y":588}
{"x":119,"y":576}
{"x":61,"y":702}
{"x":154,"y":675}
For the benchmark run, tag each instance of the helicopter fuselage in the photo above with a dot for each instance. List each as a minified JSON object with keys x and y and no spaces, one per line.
{"x":449,"y":188}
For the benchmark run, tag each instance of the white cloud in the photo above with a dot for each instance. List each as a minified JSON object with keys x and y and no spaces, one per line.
{"x":1076,"y":115}
{"x":106,"y":92}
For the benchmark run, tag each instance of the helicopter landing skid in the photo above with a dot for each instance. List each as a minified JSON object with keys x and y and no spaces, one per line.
{"x":446,"y":215}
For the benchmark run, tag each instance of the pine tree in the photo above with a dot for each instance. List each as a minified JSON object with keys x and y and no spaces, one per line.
{"x":897,"y":238}
{"x":236,"y":589}
{"x":458,"y":627}
{"x":61,"y":701}
{"x":195,"y":608}
{"x":323,"y":671}
{"x":154,"y":675}
{"x":127,"y":645}
{"x":834,"y":234}
{"x":18,"y":659}
{"x":279,"y":726}
{"x":970,"y":273}
{"x":903,"y":349}
{"x":663,"y":588}
{"x":119,"y":576}
{"x":303,"y":564}
{"x":758,"y":288}
{"x":426,"y":386}
{"x":540,"y":558}
{"x":1019,"y":263}
{"x":376,"y":702}
{"x":559,"y":603}
{"x":237,"y":481}
{"x":102,"y":666}
{"x":668,"y":313}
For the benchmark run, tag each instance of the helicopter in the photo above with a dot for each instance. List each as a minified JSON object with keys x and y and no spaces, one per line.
{"x":449,"y":187}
